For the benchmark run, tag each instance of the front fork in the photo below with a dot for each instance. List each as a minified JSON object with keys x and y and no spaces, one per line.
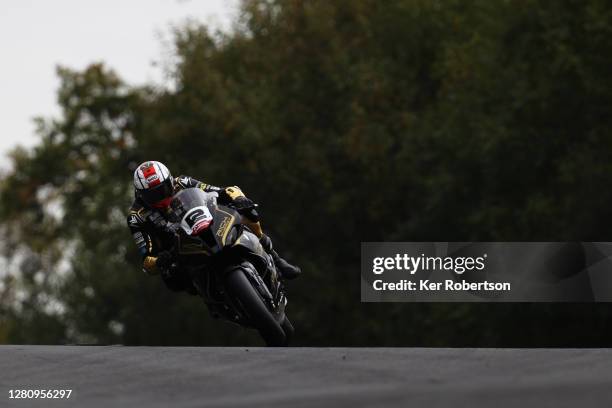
{"x":276,"y":299}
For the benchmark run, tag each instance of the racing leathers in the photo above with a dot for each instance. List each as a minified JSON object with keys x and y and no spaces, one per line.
{"x":149,"y":227}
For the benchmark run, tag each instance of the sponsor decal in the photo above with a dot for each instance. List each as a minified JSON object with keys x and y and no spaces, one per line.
{"x":133,"y":219}
{"x":149,"y":174}
{"x":139,"y":239}
{"x":196,"y":220}
{"x":223,"y":226}
{"x":157,"y":219}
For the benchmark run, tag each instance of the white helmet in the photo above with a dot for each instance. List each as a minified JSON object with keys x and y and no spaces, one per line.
{"x":154,"y":184}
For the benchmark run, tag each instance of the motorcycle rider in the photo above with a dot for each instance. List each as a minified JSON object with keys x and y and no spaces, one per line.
{"x":148,"y":219}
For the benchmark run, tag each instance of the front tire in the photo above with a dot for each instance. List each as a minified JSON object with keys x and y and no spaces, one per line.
{"x":288,"y":329}
{"x":251,"y":304}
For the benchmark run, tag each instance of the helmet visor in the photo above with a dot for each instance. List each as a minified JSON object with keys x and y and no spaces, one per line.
{"x":158,"y":193}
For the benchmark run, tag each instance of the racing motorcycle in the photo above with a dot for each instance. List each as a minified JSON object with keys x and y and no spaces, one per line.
{"x":229,"y":267}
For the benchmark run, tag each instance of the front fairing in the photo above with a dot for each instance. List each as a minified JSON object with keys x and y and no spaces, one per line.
{"x":203,"y":226}
{"x":224,"y":239}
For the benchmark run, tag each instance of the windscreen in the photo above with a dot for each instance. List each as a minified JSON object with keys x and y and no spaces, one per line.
{"x":188,"y":199}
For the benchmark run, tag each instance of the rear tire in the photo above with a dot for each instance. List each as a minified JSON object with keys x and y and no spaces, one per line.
{"x":251,"y":304}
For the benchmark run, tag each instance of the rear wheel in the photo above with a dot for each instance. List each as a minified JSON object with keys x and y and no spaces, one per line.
{"x":251,"y":304}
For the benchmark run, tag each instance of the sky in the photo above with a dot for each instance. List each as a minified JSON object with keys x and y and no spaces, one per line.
{"x":38,"y":35}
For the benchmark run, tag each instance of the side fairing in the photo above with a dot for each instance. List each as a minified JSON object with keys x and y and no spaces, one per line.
{"x":223,"y":233}
{"x":248,"y":244}
{"x":224,"y":219}
{"x":215,"y":237}
{"x":251,"y":242}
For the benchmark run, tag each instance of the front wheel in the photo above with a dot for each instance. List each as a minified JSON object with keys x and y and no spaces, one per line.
{"x":288,"y":329}
{"x":248,"y":300}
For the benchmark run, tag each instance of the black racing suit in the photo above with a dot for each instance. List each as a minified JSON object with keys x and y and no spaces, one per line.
{"x":148,"y":227}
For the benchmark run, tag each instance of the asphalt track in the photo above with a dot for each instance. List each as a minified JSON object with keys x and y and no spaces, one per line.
{"x":116,"y":376}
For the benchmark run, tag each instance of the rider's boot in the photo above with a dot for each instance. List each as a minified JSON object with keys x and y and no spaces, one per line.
{"x":286,"y":270}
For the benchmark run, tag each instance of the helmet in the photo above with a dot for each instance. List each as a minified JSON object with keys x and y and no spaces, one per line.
{"x":154,"y":184}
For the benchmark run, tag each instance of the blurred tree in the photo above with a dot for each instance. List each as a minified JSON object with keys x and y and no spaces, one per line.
{"x":347,"y":121}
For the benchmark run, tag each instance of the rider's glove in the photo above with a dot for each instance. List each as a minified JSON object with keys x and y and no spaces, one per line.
{"x":164,"y":260}
{"x":247,"y":208}
{"x":243,"y":203}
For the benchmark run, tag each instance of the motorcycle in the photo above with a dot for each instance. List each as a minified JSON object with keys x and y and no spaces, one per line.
{"x":228,"y":265}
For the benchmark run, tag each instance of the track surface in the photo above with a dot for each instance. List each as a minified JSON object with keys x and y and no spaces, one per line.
{"x":306,"y":377}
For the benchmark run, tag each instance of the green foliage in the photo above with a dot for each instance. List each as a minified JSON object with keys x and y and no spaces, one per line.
{"x":347,"y":121}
